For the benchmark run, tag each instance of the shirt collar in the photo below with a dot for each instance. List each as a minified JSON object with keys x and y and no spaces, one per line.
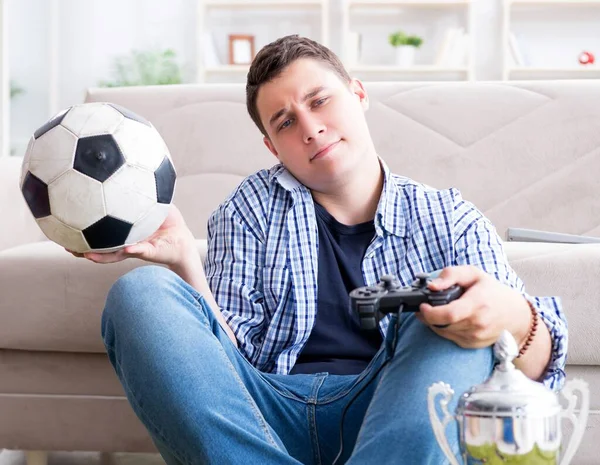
{"x":285,"y":179}
{"x":392,"y":211}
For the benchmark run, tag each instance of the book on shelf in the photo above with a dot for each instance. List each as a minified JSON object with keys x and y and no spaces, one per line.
{"x":454,"y":48}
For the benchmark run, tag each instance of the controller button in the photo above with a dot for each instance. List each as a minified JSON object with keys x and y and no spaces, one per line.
{"x":422,"y":279}
{"x":389,"y":283}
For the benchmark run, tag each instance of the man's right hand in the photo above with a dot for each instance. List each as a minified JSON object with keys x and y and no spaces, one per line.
{"x":172,"y":245}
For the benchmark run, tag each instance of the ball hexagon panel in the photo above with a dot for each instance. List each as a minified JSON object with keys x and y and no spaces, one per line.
{"x":134,"y":184}
{"x":52,"y":123}
{"x":140,"y":144}
{"x":165,"y":181}
{"x":99,"y":157}
{"x":77,"y":200}
{"x":35,"y":192}
{"x":107,"y":233}
{"x":60,"y":233}
{"x":148,"y":224}
{"x":92,"y":119}
{"x":52,"y":154}
{"x":130,"y":114}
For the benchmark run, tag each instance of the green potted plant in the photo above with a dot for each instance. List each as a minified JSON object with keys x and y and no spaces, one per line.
{"x":15,"y":90}
{"x":406,"y":46}
{"x":145,"y":68}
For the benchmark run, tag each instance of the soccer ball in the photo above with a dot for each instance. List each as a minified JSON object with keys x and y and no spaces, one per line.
{"x":97,"y":177}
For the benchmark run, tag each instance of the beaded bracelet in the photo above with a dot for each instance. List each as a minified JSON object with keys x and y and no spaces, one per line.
{"x":532,"y":330}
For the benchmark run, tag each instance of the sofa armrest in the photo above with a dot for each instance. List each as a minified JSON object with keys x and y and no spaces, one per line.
{"x":52,"y":301}
{"x":571,"y":272}
{"x":18,"y":225}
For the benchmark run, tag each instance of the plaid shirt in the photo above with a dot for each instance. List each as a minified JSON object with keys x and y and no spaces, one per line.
{"x":262,"y":260}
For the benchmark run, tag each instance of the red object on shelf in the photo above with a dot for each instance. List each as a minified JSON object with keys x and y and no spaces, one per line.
{"x":586,"y":58}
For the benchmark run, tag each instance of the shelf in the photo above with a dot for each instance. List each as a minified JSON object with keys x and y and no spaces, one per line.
{"x":262,"y":3}
{"x":408,"y":3}
{"x":538,"y":70}
{"x":227,"y":69}
{"x":554,"y":2}
{"x":412,"y":69}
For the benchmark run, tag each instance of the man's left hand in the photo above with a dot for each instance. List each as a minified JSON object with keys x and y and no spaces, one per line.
{"x":478,"y":317}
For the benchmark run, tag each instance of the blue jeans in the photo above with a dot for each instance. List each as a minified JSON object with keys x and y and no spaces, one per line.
{"x":204,"y":403}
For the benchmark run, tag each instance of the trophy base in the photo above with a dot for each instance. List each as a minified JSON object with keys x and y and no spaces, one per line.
{"x":489,"y":454}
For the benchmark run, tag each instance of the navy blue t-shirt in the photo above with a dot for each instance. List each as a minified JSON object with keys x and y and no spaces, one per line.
{"x":336,"y":343}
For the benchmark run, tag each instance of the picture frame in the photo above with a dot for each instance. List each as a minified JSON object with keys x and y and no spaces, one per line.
{"x":241,"y":49}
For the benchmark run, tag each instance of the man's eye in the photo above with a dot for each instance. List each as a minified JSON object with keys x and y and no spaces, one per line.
{"x":285,"y":124}
{"x":319,"y":102}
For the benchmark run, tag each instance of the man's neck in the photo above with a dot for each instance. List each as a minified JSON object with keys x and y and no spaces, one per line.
{"x":356,"y":200}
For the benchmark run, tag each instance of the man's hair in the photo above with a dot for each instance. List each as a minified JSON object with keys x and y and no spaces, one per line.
{"x":273,"y":58}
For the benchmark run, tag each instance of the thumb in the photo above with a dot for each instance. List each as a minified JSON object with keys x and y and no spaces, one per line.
{"x":139,"y":250}
{"x":465,"y":276}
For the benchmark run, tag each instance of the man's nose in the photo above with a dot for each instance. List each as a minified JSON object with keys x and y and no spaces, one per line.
{"x":311,"y":128}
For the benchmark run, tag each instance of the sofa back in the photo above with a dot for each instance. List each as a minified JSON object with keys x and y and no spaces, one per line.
{"x":526,"y":153}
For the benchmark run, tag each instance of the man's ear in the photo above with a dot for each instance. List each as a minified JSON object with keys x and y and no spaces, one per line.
{"x":357,"y":88}
{"x":270,"y":146}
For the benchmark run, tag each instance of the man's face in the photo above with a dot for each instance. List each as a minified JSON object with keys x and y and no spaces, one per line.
{"x":315,"y":123}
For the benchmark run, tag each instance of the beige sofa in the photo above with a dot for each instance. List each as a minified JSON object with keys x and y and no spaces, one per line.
{"x":527,"y":154}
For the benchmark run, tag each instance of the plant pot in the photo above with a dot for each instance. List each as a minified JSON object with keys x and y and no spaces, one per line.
{"x":405,"y":56}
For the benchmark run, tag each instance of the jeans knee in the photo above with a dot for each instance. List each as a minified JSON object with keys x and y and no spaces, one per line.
{"x":141,"y":279}
{"x":127,"y":299}
{"x":150,"y":296}
{"x":431,"y":352}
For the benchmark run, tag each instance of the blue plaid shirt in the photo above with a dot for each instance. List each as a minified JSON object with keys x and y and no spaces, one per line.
{"x":262,"y":260}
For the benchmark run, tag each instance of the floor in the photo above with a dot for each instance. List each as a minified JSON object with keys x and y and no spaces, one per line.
{"x":11,"y":457}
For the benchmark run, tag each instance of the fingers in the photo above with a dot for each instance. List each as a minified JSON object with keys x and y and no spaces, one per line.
{"x":139,"y":250}
{"x":463,"y":321}
{"x":75,"y":254}
{"x":449,"y":314}
{"x":111,"y":257}
{"x":464,"y":275}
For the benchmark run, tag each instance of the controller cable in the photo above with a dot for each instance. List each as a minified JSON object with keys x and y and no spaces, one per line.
{"x":390,"y":349}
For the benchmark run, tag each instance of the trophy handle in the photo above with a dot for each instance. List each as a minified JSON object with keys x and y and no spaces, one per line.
{"x":579,"y":422}
{"x":439,"y":427}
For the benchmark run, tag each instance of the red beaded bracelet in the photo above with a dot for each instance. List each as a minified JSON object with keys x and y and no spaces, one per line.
{"x":532,"y":330}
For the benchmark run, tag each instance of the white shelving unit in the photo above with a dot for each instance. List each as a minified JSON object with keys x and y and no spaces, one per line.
{"x":510,"y":70}
{"x":4,"y":83}
{"x":206,"y":6}
{"x":425,"y":72}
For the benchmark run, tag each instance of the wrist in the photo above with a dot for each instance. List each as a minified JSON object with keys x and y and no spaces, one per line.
{"x":521,"y":320}
{"x":531,"y":330}
{"x":188,"y":261}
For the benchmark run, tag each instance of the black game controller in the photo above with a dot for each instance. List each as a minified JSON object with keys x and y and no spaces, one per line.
{"x":372,"y":303}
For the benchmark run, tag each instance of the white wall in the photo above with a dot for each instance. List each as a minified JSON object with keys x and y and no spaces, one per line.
{"x":93,"y":32}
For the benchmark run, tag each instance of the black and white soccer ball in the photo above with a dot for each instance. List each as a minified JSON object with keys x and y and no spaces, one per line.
{"x":97,"y":177}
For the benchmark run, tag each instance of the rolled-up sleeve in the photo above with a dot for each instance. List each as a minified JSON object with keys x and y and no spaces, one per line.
{"x":233,"y":268}
{"x":476,"y":242}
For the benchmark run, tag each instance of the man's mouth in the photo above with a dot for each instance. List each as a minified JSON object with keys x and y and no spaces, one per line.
{"x":324,"y":150}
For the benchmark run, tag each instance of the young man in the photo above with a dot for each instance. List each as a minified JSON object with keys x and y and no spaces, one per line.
{"x":264,"y":368}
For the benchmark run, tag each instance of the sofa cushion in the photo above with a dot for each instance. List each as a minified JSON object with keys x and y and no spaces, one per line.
{"x":50,"y":300}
